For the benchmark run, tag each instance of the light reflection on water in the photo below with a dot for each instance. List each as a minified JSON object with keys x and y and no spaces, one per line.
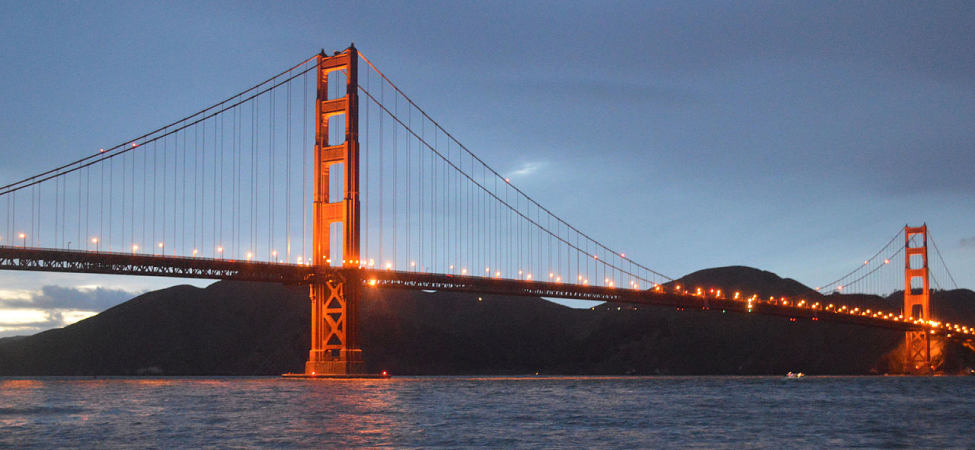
{"x":654,"y":412}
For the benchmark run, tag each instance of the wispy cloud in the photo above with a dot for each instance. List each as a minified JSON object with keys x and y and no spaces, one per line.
{"x":27,"y":312}
{"x":60,"y":297}
{"x":967,"y":242}
{"x":527,"y":169}
{"x":14,"y":322}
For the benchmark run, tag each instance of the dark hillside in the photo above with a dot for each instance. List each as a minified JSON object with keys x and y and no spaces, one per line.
{"x":227,"y":328}
{"x":745,"y":280}
{"x":234,"y":328}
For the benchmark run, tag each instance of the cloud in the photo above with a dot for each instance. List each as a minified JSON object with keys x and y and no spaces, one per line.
{"x":967,"y":242}
{"x":19,"y":322}
{"x":64,"y":298}
{"x":26,"y":312}
{"x":527,"y":169}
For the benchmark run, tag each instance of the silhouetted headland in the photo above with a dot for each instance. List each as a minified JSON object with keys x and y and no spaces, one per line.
{"x":237,"y":328}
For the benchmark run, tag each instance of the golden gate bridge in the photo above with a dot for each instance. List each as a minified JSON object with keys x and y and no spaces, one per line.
{"x":331,"y":177}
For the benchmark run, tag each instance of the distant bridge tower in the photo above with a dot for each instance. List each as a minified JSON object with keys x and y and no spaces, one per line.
{"x":917,"y":296}
{"x":334,"y":305}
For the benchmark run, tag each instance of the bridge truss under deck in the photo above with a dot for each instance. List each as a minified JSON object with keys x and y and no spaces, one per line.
{"x":44,"y":260}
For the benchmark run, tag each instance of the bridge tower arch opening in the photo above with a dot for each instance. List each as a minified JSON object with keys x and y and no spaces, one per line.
{"x":334,"y":304}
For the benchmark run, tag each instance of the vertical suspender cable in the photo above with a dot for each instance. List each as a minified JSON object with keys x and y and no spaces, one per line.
{"x":421,"y":181}
{"x":287,"y":195}
{"x":125,"y":188}
{"x":196,"y":243}
{"x":270,"y":178}
{"x":363,"y":256}
{"x":304,"y":172}
{"x":131,"y":206}
{"x":395,"y":182}
{"x":218,"y":236}
{"x":252,"y":179}
{"x":36,"y":221}
{"x":111,"y":196}
{"x":57,"y":210}
{"x":382,"y":177}
{"x":200,"y":172}
{"x":186,"y":174}
{"x":81,"y":239}
{"x":162,"y":250}
{"x":434,"y":225}
{"x":218,"y":142}
{"x":234,"y":181}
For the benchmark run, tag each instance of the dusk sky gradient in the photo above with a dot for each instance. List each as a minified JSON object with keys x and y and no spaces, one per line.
{"x":796,"y":138}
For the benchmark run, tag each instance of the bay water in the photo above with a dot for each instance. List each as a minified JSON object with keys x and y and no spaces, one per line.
{"x":493,"y":412}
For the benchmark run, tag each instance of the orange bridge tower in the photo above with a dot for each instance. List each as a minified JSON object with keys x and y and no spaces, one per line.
{"x":917,"y":300}
{"x":334,"y":304}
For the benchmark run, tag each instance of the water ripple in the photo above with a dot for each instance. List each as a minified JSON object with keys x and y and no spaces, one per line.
{"x":521,"y":412}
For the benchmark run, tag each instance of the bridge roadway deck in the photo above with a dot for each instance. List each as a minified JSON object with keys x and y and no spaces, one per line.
{"x":79,"y":261}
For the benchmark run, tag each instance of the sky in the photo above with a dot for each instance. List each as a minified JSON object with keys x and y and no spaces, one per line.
{"x":795,"y":137}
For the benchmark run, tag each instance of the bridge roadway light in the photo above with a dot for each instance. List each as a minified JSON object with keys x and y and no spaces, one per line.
{"x":134,"y":248}
{"x":95,"y":241}
{"x":24,"y":237}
